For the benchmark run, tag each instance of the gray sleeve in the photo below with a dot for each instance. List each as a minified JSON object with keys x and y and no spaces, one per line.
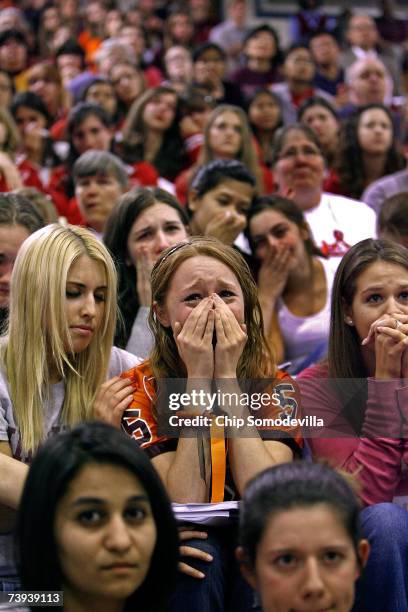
{"x":120,"y":361}
{"x":141,"y":338}
{"x":5,"y":409}
{"x":374,"y":197}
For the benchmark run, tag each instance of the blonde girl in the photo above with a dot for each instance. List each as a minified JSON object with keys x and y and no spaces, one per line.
{"x":57,"y":353}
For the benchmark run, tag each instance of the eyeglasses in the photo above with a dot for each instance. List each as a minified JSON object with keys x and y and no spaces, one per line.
{"x":307,"y":151}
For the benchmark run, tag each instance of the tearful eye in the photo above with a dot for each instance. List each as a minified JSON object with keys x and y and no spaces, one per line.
{"x":194,"y":297}
{"x":226,"y":293}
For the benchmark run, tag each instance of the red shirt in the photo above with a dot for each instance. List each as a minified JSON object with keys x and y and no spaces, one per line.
{"x":29,"y":176}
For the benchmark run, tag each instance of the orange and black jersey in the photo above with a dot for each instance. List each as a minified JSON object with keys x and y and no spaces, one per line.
{"x":139,"y":420}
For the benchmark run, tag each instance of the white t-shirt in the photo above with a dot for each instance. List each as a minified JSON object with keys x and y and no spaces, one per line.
{"x":337,"y":223}
{"x":302,"y":336}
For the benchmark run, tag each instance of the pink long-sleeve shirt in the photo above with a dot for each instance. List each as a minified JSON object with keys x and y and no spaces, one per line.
{"x":377,"y":456}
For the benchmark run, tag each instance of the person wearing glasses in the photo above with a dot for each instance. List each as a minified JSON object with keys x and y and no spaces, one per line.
{"x":299,"y":168}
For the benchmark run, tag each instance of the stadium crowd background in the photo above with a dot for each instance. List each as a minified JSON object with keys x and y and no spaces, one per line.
{"x":127,"y":127}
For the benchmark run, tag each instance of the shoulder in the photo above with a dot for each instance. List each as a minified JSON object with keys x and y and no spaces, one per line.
{"x":320,"y":370}
{"x":139,"y":374}
{"x":323,"y":94}
{"x":330,"y":266}
{"x":346,"y":205}
{"x":385,"y":187}
{"x":280,"y":88}
{"x":282,"y":375}
{"x":144,"y":171}
{"x":121,"y":360}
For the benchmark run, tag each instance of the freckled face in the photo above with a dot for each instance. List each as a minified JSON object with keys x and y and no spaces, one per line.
{"x":198,"y":278}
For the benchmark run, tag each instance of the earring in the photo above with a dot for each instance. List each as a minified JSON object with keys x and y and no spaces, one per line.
{"x":348,"y":320}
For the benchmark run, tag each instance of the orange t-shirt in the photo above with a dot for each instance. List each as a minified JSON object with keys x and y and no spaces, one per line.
{"x":140,"y":423}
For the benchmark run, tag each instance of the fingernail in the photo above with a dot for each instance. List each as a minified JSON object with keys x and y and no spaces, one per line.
{"x":209,"y":557}
{"x":364,"y":341}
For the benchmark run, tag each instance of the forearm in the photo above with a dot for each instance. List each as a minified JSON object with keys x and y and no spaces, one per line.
{"x":376,"y":463}
{"x":382,"y":417}
{"x":268,"y":305}
{"x":248,"y":453}
{"x":247,"y":457}
{"x":184,"y":481}
{"x":188,"y":477}
{"x":373,"y":454}
{"x":12,"y":478}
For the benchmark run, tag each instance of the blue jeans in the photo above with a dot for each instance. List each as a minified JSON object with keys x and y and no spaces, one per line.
{"x":9,"y":585}
{"x":223,"y":588}
{"x":383,"y":586}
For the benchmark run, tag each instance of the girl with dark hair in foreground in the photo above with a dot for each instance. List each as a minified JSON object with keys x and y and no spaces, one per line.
{"x":96,"y":523}
{"x":301,"y":544}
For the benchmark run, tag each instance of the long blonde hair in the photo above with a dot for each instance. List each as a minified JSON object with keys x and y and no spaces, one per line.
{"x":38,"y":334}
{"x":256,"y":360}
{"x":13,"y":140}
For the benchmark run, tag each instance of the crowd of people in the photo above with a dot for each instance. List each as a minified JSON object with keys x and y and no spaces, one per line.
{"x":193,"y":212}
